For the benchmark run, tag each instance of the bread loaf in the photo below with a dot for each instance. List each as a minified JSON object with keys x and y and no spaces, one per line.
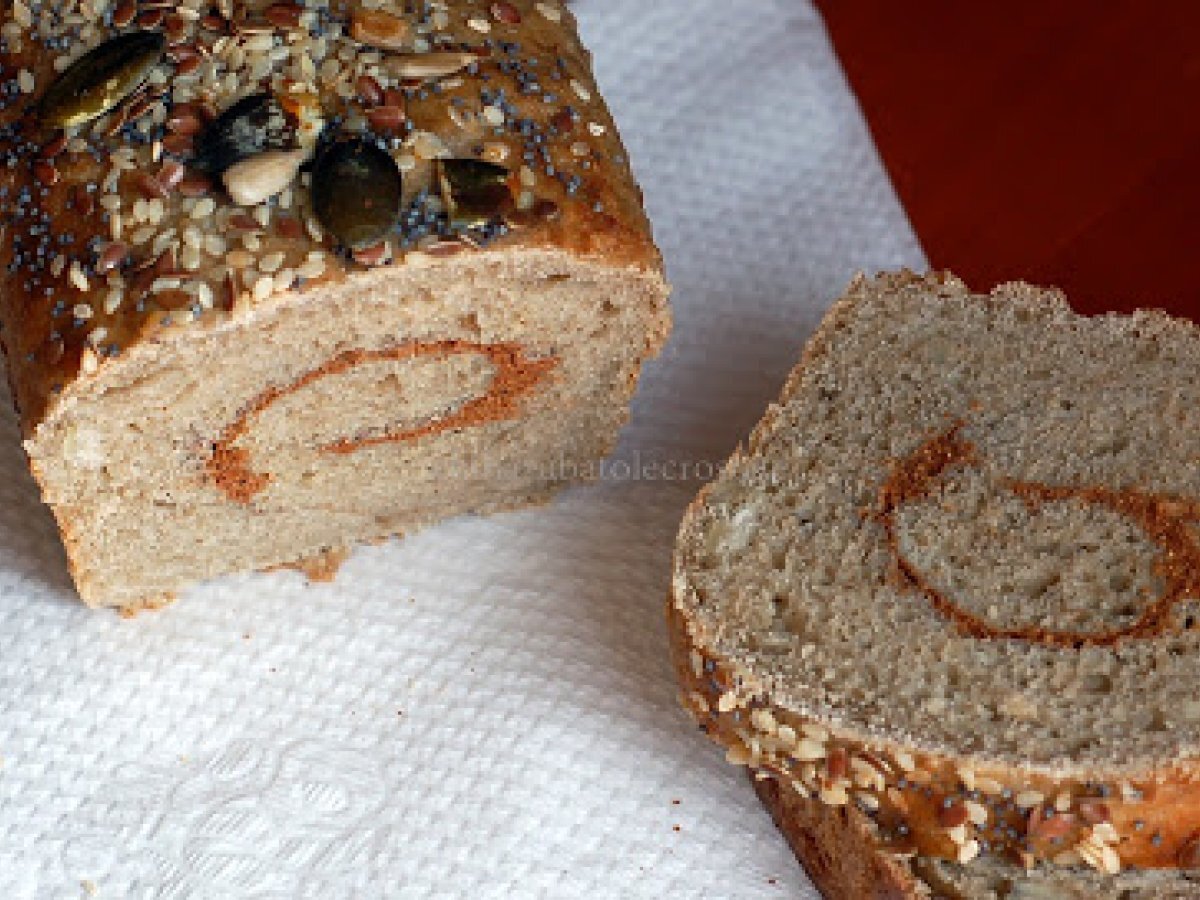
{"x":842,"y":854}
{"x":283,"y":276}
{"x":952,"y":579}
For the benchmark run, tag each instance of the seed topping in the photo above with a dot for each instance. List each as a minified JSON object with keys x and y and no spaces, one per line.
{"x":198,"y":145}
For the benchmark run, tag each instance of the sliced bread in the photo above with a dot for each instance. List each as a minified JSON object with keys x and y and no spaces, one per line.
{"x":952,"y":578}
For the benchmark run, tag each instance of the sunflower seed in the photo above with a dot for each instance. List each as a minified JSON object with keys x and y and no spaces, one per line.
{"x":437,"y":64}
{"x":261,"y":177}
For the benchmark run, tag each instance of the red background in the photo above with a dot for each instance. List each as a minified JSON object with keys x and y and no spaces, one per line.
{"x":1056,"y":142}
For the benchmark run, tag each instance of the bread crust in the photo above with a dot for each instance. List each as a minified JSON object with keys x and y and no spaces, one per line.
{"x":841,"y":852}
{"x":836,"y":847}
{"x":922,"y":798}
{"x":50,"y":358}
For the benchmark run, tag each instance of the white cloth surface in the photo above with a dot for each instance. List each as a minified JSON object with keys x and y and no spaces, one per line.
{"x":484,"y":709}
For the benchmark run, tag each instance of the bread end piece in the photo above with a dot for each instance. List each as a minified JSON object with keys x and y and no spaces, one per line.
{"x":218,"y":366}
{"x":483,"y":382}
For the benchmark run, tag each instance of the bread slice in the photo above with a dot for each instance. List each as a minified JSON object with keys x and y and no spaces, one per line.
{"x":840,"y":850}
{"x":953,"y":577}
{"x":422,"y":285}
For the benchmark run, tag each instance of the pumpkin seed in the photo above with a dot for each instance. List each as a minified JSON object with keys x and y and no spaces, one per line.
{"x":251,"y":126}
{"x":475,"y":192}
{"x":356,"y":192}
{"x":99,"y":80}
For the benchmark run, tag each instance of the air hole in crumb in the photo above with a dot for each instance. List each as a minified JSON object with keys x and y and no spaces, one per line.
{"x":1096,"y":683}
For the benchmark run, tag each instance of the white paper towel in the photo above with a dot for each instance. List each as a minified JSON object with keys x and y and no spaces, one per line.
{"x":486,"y":708}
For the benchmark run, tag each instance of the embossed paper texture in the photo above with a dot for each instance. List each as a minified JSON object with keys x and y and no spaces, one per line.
{"x":484,"y":709}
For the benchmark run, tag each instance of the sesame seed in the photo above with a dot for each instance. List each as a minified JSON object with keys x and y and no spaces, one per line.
{"x":263,"y":287}
{"x":968,"y":851}
{"x":738,"y":755}
{"x":204,"y":208}
{"x":1028,"y":799}
{"x":976,"y":812}
{"x":1110,"y":861}
{"x":580,"y":90}
{"x":22,"y":14}
{"x":89,"y":362}
{"x":809,"y":750}
{"x":77,"y":277}
{"x":313,"y":267}
{"x":189,"y":258}
{"x":271,"y":262}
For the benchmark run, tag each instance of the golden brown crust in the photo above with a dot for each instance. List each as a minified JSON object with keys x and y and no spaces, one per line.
{"x":71,"y":305}
{"x":836,"y":847}
{"x":841,"y":852}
